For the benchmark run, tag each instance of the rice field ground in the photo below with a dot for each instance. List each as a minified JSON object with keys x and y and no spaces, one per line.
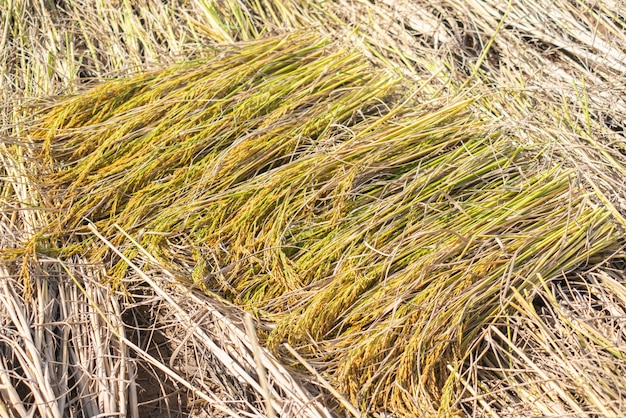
{"x":312,"y":208}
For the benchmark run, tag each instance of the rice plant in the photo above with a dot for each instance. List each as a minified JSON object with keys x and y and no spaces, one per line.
{"x":419,"y":203}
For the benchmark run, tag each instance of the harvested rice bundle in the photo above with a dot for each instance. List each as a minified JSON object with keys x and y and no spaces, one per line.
{"x":380,"y":237}
{"x":131,"y":148}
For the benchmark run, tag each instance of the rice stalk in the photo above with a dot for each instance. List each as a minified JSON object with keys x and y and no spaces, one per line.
{"x":568,"y":336}
{"x":381,"y":241}
{"x":241,"y":352}
{"x":231,"y":109}
{"x":47,"y":368}
{"x":543,"y":126}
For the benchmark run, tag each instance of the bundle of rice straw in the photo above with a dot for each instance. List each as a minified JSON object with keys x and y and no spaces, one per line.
{"x":390,"y":243}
